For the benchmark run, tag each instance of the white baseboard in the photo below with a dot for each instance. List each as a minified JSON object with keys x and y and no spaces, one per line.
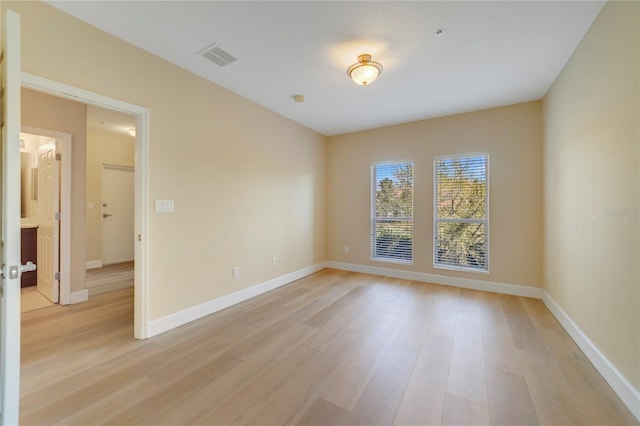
{"x":79,"y":296}
{"x":512,"y":289}
{"x":177,"y":319}
{"x":629,"y":395}
{"x":93,"y":264}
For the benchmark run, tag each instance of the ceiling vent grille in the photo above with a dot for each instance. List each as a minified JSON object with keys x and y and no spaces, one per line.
{"x":217,"y":55}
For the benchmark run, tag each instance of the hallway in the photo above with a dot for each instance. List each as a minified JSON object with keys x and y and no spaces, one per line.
{"x":109,"y":278}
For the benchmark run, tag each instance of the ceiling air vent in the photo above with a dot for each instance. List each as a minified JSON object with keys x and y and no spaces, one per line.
{"x":217,"y":55}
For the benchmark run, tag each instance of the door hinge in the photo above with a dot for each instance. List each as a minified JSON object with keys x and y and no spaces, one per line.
{"x":57,"y":216}
{"x":58,"y":157}
{"x":56,"y":276}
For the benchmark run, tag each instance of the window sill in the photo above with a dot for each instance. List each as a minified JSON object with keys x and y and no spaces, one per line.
{"x":396,"y":261}
{"x":460,"y":269}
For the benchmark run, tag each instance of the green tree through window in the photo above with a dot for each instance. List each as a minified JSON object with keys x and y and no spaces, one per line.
{"x":460,"y":212}
{"x":392,"y":212}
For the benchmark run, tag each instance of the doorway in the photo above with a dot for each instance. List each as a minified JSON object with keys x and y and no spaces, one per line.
{"x":110,"y":198}
{"x":45,"y":171}
{"x":141,"y":203}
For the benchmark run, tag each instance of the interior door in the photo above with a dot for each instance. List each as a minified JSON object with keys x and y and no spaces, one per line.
{"x":48,"y":221}
{"x":117,"y":214}
{"x":10,"y":221}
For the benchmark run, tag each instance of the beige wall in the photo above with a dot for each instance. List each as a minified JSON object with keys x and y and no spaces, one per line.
{"x":513,"y":138}
{"x":247,"y":183}
{"x":51,"y":113}
{"x":102,"y":148}
{"x":591,"y":179}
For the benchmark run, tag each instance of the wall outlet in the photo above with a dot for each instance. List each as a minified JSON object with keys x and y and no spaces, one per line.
{"x":236,"y":271}
{"x":346,"y":249}
{"x":274,"y":261}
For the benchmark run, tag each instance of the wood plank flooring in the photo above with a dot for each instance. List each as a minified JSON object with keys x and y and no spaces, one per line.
{"x":334,"y":348}
{"x":109,"y":277}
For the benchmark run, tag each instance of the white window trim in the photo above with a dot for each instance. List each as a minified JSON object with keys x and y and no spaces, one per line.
{"x":437,"y":265}
{"x":373,"y":218}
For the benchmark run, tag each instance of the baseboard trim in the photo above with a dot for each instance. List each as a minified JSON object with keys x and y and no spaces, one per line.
{"x":629,"y":395}
{"x":79,"y":296}
{"x":512,"y":289}
{"x":177,"y":319}
{"x":93,"y":264}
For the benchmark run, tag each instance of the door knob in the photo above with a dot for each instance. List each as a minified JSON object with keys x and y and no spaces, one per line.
{"x":30,"y":266}
{"x":106,"y":215}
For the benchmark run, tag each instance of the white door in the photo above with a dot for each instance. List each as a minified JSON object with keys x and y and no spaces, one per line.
{"x":48,"y":221}
{"x":10,"y":219}
{"x":117,"y":214}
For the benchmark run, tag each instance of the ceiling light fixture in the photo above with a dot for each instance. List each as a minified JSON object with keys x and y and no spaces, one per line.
{"x":365,"y":71}
{"x":132,"y":132}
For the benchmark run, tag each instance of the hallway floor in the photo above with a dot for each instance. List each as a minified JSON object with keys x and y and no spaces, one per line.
{"x":109,"y":278}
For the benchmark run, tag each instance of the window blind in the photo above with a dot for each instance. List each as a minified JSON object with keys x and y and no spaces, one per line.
{"x":392,"y":212}
{"x":461,"y":224}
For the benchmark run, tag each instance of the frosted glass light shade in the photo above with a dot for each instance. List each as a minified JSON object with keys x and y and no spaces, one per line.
{"x":365,"y":71}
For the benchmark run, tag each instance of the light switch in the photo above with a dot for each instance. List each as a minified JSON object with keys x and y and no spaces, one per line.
{"x":164,"y":206}
{"x":91,"y":206}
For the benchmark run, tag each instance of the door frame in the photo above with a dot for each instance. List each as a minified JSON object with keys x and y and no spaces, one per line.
{"x":65,"y":140}
{"x":141,"y":203}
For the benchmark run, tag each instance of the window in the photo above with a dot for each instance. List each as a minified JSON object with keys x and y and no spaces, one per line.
{"x":461,"y":213}
{"x":392,"y":212}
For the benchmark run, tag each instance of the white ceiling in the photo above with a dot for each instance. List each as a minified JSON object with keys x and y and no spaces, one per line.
{"x":491,"y":54}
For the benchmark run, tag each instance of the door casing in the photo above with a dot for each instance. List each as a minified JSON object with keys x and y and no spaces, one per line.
{"x":141,"y":204}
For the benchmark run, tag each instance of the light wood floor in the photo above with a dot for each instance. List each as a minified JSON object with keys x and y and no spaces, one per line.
{"x":99,"y":280}
{"x":109,"y":278}
{"x":333,"y":348}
